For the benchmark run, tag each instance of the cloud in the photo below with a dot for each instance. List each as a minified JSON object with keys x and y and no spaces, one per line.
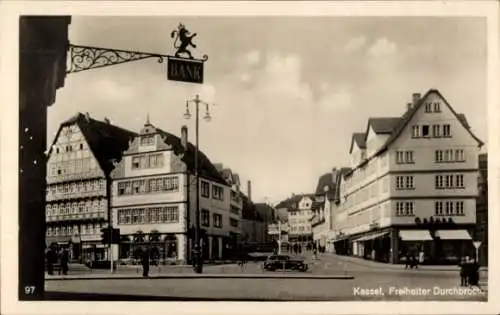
{"x":253,"y":57}
{"x":339,"y":99}
{"x":383,"y":48}
{"x":354,"y":44}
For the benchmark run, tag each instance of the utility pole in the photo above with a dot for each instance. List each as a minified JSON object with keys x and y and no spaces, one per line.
{"x":109,"y":230}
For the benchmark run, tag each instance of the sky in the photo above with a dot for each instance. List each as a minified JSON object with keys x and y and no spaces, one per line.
{"x":288,"y":91}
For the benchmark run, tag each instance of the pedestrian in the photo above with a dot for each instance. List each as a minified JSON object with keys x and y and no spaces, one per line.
{"x":51,"y":260}
{"x":463,"y":273}
{"x":415,"y":262}
{"x":407,"y":261}
{"x":145,"y":263}
{"x":64,"y":261}
{"x":474,"y":273}
{"x":242,"y":260}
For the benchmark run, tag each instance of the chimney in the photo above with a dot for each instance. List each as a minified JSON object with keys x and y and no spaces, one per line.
{"x":249,"y":190}
{"x":106,"y":120}
{"x":416,"y":98}
{"x":87,"y":116}
{"x":408,"y":106}
{"x":184,"y":137}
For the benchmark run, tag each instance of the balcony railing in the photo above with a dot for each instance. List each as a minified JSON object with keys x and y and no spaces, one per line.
{"x":77,"y":216}
{"x":74,"y":195}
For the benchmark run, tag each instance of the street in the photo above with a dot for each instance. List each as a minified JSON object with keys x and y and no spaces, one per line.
{"x":369,"y":284}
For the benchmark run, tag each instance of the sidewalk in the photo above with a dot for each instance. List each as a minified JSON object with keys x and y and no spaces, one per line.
{"x":381,"y":265}
{"x":277,"y":275}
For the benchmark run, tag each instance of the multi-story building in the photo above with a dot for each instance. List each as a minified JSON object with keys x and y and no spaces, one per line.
{"x":154,"y":198}
{"x":481,"y":231}
{"x":236,"y":207}
{"x":300,"y":211}
{"x":413,"y":185}
{"x":325,"y":208}
{"x":78,"y":167}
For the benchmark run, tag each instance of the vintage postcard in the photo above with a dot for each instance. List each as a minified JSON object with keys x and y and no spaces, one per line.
{"x":303,"y":154}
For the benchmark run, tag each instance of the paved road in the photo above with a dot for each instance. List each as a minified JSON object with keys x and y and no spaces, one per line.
{"x":368,"y":284}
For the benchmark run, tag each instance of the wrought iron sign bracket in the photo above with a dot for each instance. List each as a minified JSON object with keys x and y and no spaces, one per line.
{"x":182,"y":65}
{"x":83,"y":58}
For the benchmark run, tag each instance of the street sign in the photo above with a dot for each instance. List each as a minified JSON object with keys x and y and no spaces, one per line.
{"x":185,"y":70}
{"x":477,"y":244}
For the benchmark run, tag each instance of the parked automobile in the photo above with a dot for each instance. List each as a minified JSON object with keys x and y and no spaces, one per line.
{"x":284,"y":262}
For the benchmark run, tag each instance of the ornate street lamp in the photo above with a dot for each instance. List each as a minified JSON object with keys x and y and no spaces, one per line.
{"x":198,"y":263}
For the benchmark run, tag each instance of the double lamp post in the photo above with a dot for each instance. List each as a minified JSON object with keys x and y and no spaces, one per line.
{"x":197,"y":252}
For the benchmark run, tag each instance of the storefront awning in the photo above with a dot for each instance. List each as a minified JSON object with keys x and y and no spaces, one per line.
{"x":371,"y":236}
{"x":415,"y":235}
{"x":453,"y":235}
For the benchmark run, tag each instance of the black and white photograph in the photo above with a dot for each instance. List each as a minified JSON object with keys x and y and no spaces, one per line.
{"x":186,"y":153}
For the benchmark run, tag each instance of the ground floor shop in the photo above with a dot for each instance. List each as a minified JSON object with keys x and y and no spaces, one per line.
{"x":173,"y":247}
{"x":445,"y":245}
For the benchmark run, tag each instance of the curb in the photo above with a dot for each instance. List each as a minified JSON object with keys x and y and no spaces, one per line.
{"x":206,"y":276}
{"x":367,"y":263}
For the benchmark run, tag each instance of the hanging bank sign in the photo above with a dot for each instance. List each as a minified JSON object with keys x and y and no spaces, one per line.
{"x":183,"y":66}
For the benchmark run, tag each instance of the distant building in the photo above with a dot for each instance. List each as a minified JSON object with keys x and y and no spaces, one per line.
{"x":413,"y":185}
{"x":325,"y":208}
{"x":79,"y":162}
{"x":481,"y":231}
{"x":236,"y":207}
{"x":300,"y":211}
{"x":154,"y":198}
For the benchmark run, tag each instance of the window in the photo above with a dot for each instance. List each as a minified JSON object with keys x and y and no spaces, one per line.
{"x":217,"y":192}
{"x":459,"y":208}
{"x":428,"y":107}
{"x":437,"y":108}
{"x":438,"y":179}
{"x":233,"y":222}
{"x":121,"y":188}
{"x":205,"y":189}
{"x":439,"y":156}
{"x":459,"y":155}
{"x":448,"y":207}
{"x":217,"y":220}
{"x":405,"y":209}
{"x":438,"y":208}
{"x":459,"y":181}
{"x":81,"y":146}
{"x":425,"y":131}
{"x":235,"y":210}
{"x":404,"y":157}
{"x":436,"y":131}
{"x":147,"y":140}
{"x":135,"y":162}
{"x":404,"y":182}
{"x":57,"y":150}
{"x":205,"y":217}
{"x":446,"y":130}
{"x":415,"y":131}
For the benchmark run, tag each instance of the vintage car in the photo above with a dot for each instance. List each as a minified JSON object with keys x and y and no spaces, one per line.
{"x":284,"y":262}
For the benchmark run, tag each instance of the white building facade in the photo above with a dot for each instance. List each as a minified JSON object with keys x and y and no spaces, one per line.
{"x":154,"y":199}
{"x":413,"y":186}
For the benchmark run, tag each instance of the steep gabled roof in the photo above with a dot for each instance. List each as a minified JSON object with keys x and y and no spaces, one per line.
{"x":382,"y":125}
{"x":398,"y":129}
{"x":359,"y":139}
{"x":106,"y":141}
{"x":206,"y":168}
{"x":324,"y":180}
{"x":293,"y":201}
{"x":406,"y":118}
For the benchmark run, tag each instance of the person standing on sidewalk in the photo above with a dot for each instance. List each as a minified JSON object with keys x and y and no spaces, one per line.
{"x":463,"y":272}
{"x":64,"y":261}
{"x":145,"y":263}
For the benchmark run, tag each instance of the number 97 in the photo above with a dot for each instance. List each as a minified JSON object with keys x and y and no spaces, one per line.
{"x":29,"y":289}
